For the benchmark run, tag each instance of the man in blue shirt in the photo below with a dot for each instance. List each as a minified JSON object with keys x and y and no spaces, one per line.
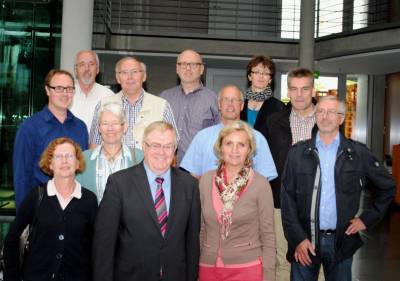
{"x":36,"y":132}
{"x":200,"y":157}
{"x":320,"y":197}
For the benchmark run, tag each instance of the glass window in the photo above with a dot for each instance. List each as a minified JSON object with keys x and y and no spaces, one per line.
{"x":29,"y":31}
{"x":360,"y":14}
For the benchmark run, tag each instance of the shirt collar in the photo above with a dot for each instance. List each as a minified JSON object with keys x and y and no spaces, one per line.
{"x":152,"y":176}
{"x":52,"y":191}
{"x":200,"y":87}
{"x":320,"y":143}
{"x":125,"y":152}
{"x":78,"y":88}
{"x":125,"y":99}
{"x":220,"y":125}
{"x":48,"y":115}
{"x":311,"y":115}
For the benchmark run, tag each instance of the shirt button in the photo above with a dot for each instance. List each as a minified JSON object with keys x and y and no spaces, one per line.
{"x":61,"y":237}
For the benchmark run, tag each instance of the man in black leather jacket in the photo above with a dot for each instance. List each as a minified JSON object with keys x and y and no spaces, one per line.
{"x":320,"y":197}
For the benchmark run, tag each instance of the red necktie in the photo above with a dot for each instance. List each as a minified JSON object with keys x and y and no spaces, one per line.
{"x":160,"y":206}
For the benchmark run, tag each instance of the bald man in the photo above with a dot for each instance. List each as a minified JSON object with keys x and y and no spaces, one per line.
{"x":194,"y":106}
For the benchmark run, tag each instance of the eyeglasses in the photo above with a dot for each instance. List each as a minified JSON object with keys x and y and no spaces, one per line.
{"x":132,"y":72}
{"x":192,"y":65}
{"x":260,"y":73}
{"x":157,"y":146}
{"x":113,"y":125}
{"x":61,"y":89}
{"x":330,"y":113}
{"x":68,"y":157}
{"x":231,"y":100}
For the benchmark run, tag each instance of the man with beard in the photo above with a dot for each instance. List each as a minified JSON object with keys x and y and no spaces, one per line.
{"x":87,"y":92}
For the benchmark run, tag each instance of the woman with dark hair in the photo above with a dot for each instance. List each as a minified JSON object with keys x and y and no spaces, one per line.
{"x":62,"y":215}
{"x":259,"y":101}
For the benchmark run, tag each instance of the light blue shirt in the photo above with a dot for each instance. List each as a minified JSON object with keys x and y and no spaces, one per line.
{"x":327,"y":206}
{"x":200,"y":157}
{"x":166,"y":186}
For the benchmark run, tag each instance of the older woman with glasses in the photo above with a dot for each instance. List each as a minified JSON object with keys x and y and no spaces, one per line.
{"x":259,"y":101}
{"x":112,"y":155}
{"x":61,"y":214}
{"x":237,"y":239}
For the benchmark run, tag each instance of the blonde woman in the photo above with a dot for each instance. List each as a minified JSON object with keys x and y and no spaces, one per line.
{"x":237,"y":226}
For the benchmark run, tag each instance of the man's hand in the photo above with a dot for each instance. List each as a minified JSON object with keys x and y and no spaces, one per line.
{"x":355,"y":226}
{"x":301,"y":254}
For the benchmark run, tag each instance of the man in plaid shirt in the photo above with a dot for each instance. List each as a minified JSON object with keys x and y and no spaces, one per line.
{"x":141,"y":108}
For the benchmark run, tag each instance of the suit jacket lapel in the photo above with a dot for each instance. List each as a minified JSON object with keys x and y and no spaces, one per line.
{"x":142,"y":184}
{"x":174,"y":201}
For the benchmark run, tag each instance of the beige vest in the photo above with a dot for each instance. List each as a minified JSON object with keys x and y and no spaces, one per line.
{"x":152,"y":110}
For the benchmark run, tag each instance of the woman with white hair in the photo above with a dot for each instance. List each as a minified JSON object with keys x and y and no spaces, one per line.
{"x":112,"y":155}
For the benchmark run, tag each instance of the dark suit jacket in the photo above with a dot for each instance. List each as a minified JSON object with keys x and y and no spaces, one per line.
{"x":128,"y":244}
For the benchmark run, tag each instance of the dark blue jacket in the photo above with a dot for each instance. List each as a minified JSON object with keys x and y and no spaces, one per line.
{"x":354,"y":165}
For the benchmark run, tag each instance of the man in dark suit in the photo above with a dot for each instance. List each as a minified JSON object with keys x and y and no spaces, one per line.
{"x":148,"y":223}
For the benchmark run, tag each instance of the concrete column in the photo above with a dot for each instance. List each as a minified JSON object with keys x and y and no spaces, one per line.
{"x":76,"y":30}
{"x":307,"y":15}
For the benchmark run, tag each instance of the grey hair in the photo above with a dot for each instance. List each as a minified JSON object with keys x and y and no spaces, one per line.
{"x":142,"y":64}
{"x":87,"y":51}
{"x":115,"y":108}
{"x":230,"y":86}
{"x":342,"y":105}
{"x":160,"y":126}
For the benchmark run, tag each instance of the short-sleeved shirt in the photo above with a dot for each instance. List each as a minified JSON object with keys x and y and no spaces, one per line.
{"x":200,"y":157}
{"x":32,"y":138}
{"x":193,"y":112}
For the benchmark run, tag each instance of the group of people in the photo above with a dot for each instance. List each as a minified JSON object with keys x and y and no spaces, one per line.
{"x":189,"y":185}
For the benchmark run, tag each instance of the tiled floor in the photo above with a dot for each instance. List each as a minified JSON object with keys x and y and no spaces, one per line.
{"x":379,"y":258}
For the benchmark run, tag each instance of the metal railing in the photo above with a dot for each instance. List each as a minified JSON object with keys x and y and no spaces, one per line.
{"x":237,"y":19}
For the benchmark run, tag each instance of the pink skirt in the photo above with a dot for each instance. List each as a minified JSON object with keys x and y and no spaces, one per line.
{"x":249,"y":273}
